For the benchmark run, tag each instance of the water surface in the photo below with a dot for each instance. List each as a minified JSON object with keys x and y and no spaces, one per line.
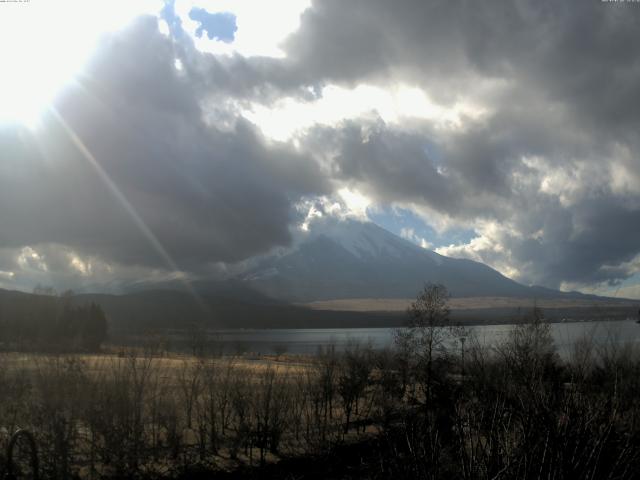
{"x":308,"y":341}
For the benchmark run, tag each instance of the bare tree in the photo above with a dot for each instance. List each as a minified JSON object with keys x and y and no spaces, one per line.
{"x":353,"y":378}
{"x":424,"y":333}
{"x":190,"y":385}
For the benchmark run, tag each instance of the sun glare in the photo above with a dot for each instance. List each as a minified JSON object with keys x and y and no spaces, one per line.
{"x":43,"y":44}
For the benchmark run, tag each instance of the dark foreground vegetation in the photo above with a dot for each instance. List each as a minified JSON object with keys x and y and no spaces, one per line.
{"x":439,"y":405}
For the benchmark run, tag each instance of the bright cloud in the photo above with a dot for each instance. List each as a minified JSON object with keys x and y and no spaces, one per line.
{"x":289,"y":117}
{"x":356,"y":204}
{"x":410,"y":234}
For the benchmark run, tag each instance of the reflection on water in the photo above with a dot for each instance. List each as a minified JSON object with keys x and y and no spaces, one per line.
{"x":307,"y":341}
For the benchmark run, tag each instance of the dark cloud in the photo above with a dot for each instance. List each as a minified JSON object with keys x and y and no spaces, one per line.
{"x":207,"y":194}
{"x":554,"y":211}
{"x":578,"y":53}
{"x":385,"y":163}
{"x":576,"y":56}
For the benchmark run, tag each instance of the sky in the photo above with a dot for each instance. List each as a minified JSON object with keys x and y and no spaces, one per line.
{"x":153,"y":140}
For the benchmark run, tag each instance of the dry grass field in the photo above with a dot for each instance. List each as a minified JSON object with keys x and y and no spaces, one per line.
{"x":465,"y":303}
{"x":158,"y":414}
{"x":169,"y":363}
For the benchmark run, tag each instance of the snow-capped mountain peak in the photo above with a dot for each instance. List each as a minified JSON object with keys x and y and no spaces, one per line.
{"x":346,"y":258}
{"x":366,"y":240}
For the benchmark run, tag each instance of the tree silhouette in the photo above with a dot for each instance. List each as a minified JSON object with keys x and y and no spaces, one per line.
{"x":424,"y":334}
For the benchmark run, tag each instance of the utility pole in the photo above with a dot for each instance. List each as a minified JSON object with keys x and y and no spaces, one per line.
{"x":462,"y":340}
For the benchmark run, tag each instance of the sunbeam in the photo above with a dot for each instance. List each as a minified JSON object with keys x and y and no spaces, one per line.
{"x":120,"y":197}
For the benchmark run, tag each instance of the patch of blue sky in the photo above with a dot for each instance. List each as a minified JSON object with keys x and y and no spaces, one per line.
{"x":219,"y":26}
{"x":168,"y":14}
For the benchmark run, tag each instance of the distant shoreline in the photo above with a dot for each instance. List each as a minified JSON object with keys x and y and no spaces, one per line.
{"x":464,"y":303}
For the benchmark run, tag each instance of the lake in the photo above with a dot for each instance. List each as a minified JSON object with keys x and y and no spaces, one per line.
{"x":307,"y":341}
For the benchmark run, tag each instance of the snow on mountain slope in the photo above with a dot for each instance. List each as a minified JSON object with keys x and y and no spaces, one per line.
{"x":367,"y":240}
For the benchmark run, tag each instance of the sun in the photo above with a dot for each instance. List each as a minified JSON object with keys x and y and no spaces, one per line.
{"x":23,"y":83}
{"x":43,"y":45}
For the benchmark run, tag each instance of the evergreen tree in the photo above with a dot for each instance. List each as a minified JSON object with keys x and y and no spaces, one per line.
{"x":95,"y":328}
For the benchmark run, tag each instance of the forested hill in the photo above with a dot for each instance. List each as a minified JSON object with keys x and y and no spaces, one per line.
{"x":50,"y":322}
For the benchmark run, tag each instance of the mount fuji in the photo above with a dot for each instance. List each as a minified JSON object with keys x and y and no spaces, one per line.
{"x":340,"y":259}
